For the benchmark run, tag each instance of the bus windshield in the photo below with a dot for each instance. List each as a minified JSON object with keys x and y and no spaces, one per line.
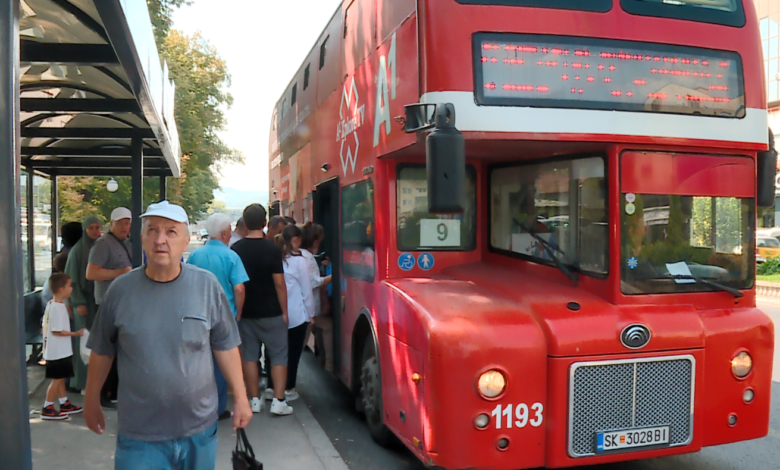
{"x":669,"y":240}
{"x":563,"y":202}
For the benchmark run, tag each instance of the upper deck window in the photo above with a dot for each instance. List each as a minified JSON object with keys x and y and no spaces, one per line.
{"x":588,"y":5}
{"x":725,"y":12}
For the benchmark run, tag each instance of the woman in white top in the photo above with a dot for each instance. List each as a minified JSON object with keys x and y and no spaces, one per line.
{"x":313,"y":234}
{"x":300,"y":303}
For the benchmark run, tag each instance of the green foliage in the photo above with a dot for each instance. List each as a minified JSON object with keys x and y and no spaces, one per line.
{"x":769,"y":267}
{"x":161,"y":13}
{"x":202,"y":79}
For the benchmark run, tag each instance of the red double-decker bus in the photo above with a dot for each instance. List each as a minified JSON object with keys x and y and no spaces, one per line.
{"x":572,"y":285}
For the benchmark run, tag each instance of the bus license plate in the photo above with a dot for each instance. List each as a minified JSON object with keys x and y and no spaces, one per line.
{"x":630,"y":438}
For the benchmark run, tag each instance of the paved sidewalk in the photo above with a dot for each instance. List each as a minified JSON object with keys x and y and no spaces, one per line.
{"x":281,"y":443}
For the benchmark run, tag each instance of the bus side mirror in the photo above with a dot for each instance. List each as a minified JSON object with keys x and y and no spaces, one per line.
{"x":445,"y":152}
{"x":766,"y":171}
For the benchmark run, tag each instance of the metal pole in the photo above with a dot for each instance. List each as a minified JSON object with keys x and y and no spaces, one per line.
{"x":14,"y":415}
{"x":163,"y":188}
{"x":55,"y":217}
{"x":31,"y":226}
{"x":137,"y":185}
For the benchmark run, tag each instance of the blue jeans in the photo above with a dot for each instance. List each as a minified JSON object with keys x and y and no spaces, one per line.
{"x":198,"y":452}
{"x":222,"y":388}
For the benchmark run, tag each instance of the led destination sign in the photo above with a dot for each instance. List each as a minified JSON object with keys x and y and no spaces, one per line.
{"x":566,"y":72}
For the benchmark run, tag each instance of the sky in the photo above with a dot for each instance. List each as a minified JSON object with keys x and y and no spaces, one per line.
{"x":264,"y":43}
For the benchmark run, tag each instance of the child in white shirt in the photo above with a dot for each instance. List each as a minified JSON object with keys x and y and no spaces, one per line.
{"x":57,"y":349}
{"x":300,"y":304}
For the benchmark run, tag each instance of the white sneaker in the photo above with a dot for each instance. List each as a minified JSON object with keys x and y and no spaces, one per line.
{"x":281,"y":408}
{"x":290,"y":395}
{"x":268,"y":394}
{"x":257,"y":405}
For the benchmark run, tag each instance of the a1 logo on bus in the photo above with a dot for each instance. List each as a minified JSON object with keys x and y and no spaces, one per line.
{"x":521,"y":417}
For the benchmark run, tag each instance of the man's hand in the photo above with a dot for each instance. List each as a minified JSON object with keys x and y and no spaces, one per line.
{"x":242,"y":413}
{"x":93,"y":414}
{"x":286,"y":319}
{"x":81,"y":332}
{"x":125,"y":270}
{"x":99,"y":366}
{"x":82,"y":310}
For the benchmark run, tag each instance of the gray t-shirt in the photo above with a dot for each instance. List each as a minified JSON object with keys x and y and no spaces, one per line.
{"x":109,"y":253}
{"x":163,"y":335}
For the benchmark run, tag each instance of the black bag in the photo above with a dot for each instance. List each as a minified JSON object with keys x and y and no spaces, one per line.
{"x":244,"y":455}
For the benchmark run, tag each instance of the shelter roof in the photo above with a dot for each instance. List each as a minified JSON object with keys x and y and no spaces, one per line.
{"x":91,"y":81}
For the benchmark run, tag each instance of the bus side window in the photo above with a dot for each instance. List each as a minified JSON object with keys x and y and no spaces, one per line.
{"x":357,"y":230}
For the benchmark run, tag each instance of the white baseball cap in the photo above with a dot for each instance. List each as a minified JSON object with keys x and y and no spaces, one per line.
{"x":121,"y":213}
{"x":167,"y":210}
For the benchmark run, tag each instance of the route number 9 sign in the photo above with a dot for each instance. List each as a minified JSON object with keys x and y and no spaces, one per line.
{"x":440,"y":233}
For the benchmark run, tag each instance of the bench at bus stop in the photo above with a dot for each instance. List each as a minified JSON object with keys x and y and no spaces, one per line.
{"x":33,"y":314}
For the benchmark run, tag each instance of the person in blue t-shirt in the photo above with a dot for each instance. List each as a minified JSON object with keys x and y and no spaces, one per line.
{"x":216,"y":257}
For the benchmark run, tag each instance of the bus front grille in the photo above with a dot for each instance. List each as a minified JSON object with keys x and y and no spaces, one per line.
{"x":632,"y":393}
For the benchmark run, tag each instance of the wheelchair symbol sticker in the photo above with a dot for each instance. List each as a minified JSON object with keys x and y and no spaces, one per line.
{"x":406,"y":261}
{"x":425,"y":261}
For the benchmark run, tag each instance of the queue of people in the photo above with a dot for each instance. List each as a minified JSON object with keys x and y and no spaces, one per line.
{"x":169,"y":339}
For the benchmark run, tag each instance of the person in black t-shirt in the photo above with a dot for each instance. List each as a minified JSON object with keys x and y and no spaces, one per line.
{"x":264,"y":319}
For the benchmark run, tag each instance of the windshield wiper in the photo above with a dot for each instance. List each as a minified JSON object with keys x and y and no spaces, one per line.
{"x":548,"y":248}
{"x":736,"y":293}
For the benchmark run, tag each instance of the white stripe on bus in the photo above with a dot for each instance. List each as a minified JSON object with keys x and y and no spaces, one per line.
{"x":753,"y":128}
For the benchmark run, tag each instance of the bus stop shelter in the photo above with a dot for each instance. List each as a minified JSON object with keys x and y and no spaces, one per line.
{"x":83,"y":92}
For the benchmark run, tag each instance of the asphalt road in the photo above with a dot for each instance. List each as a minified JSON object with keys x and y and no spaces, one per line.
{"x":331,"y":404}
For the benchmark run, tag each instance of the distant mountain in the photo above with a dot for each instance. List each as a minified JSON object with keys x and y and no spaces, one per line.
{"x":238,"y":198}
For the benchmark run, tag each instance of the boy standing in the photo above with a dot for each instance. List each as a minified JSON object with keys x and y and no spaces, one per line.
{"x":57,"y":349}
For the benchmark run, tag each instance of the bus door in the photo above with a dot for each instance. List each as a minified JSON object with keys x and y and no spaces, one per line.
{"x":326,"y":213}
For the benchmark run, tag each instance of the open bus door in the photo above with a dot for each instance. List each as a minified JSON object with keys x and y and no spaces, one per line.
{"x":274,"y":208}
{"x":326,"y":213}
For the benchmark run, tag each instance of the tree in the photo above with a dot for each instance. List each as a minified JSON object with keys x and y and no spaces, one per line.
{"x":161,"y":13}
{"x":202,"y":79}
{"x":217,"y":207}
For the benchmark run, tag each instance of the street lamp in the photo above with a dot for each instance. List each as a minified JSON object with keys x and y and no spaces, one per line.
{"x":112,"y":185}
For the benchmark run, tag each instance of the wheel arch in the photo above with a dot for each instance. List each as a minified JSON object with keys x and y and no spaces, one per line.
{"x":364,"y":326}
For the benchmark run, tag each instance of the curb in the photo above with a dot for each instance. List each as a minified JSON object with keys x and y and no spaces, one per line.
{"x":768,"y":290}
{"x":328,"y":455}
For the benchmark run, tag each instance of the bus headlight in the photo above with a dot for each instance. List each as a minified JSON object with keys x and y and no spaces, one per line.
{"x":492,"y":384}
{"x":742,"y":364}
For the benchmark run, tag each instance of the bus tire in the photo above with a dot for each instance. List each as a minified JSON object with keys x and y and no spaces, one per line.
{"x":371,"y":395}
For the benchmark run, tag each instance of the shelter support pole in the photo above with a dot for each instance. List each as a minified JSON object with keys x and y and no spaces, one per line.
{"x":55,"y":217}
{"x":137,"y":185}
{"x":163,"y":188}
{"x":14,"y":407}
{"x":31,"y":226}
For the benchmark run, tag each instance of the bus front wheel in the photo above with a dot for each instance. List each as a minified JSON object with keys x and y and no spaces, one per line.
{"x":371,"y":395}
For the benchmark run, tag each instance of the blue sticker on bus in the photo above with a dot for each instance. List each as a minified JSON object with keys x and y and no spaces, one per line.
{"x":425,"y":261}
{"x":633,"y":262}
{"x":406,"y":261}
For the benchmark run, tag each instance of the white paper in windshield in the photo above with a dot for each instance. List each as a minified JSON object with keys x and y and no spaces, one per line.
{"x":680,"y":269}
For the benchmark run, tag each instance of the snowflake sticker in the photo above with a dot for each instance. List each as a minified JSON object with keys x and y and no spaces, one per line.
{"x":633,"y":262}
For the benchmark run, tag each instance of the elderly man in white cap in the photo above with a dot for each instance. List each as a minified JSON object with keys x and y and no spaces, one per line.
{"x":163,"y":321}
{"x":109,"y":258}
